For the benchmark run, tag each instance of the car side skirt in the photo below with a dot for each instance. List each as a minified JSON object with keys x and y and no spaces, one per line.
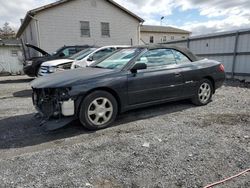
{"x":151,"y":103}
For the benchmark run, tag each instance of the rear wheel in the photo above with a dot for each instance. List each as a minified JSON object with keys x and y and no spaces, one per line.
{"x":98,"y":110}
{"x":203,"y":93}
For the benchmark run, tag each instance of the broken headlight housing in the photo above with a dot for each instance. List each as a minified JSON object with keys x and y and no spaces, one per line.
{"x":60,"y":67}
{"x":48,"y":101}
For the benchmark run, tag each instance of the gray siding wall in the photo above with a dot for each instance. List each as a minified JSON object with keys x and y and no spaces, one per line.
{"x":11,"y":63}
{"x":158,"y":37}
{"x":30,"y":36}
{"x":60,"y":25}
{"x":230,"y":48}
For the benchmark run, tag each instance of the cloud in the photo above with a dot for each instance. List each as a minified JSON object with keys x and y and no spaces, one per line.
{"x":12,"y":11}
{"x":222,"y":15}
{"x":230,"y":23}
{"x":218,"y":15}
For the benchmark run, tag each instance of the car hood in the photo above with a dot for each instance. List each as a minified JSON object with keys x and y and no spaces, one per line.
{"x":54,"y":63}
{"x":69,"y":78}
{"x":38,"y":49}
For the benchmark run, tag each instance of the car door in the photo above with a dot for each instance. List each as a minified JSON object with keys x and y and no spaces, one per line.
{"x":161,"y":80}
{"x":189,"y":72}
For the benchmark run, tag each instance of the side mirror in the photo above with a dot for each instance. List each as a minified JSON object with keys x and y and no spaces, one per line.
{"x":138,"y":66}
{"x":90,"y":58}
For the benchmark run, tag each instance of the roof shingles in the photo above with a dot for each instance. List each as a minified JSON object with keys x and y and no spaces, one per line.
{"x":162,"y":29}
{"x":51,"y":5}
{"x":10,"y":42}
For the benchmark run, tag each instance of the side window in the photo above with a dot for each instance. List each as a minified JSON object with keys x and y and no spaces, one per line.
{"x":102,"y":53}
{"x":151,"y":39}
{"x":14,"y":53}
{"x":157,"y":57}
{"x":164,"y":39}
{"x":78,"y":49}
{"x":180,"y":57}
{"x":69,"y":51}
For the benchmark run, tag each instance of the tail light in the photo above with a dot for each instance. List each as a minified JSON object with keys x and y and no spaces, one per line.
{"x":221,"y":68}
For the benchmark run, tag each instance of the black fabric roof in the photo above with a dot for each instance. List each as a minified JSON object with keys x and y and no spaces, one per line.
{"x":183,"y":50}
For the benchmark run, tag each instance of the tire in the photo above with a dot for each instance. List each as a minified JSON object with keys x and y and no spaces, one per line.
{"x":203,"y":93}
{"x":98,"y":110}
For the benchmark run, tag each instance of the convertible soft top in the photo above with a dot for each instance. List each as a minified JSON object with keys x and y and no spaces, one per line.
{"x":183,"y":50}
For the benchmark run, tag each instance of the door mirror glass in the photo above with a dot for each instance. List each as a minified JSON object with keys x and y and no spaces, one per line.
{"x":138,"y":66}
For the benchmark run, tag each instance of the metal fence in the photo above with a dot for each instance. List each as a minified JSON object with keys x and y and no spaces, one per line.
{"x":230,"y":48}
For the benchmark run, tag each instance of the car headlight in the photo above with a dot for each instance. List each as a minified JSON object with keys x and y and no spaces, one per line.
{"x":64,"y":66}
{"x":60,"y":67}
{"x":52,"y":69}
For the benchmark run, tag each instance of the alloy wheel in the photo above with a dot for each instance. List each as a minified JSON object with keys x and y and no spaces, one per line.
{"x":100,"y":111}
{"x":204,"y":93}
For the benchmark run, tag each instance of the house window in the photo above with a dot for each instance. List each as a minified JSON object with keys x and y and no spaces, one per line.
{"x":14,"y":53}
{"x":164,"y":39}
{"x":172,"y":37}
{"x":85,"y":30}
{"x":183,"y":37}
{"x":151,"y":39}
{"x":105,"y":29}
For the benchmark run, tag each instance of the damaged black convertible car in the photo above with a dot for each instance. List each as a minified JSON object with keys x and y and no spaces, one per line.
{"x":127,"y":79}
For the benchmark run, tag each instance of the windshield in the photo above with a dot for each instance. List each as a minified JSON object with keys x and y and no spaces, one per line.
{"x":119,"y":59}
{"x":82,"y":54}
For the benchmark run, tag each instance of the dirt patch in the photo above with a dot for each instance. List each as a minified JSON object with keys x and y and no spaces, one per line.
{"x":169,"y":145}
{"x":225,"y":119}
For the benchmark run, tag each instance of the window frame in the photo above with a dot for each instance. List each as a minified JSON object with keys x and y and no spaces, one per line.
{"x":157,"y":67}
{"x":104,"y":30}
{"x":68,"y":50}
{"x":151,"y":39}
{"x":164,"y":38}
{"x":107,"y":53}
{"x":14,"y":53}
{"x":82,"y":29}
{"x":174,"y":50}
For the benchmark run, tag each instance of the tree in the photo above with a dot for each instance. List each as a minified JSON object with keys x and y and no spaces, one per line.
{"x":7,"y":32}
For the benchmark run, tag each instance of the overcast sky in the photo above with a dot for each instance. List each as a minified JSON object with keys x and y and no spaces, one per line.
{"x":197,"y":16}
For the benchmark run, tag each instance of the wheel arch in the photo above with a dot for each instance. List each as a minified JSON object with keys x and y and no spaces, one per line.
{"x":107,"y":89}
{"x":211,"y":79}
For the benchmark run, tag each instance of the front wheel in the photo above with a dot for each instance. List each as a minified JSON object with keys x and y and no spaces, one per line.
{"x":203,"y":93}
{"x":98,"y":110}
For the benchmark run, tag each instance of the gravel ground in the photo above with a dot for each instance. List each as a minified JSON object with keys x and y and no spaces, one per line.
{"x":170,"y":145}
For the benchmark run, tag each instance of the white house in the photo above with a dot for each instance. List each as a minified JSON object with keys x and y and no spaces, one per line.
{"x":151,"y":34}
{"x":10,"y":56}
{"x":80,"y":22}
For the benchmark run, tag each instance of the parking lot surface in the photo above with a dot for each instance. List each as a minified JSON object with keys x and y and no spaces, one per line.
{"x":170,"y":145}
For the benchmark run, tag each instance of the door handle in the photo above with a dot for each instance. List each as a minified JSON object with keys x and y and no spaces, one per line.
{"x":177,"y":74}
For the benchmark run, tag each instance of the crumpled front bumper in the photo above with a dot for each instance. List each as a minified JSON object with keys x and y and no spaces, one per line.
{"x":53,"y":112}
